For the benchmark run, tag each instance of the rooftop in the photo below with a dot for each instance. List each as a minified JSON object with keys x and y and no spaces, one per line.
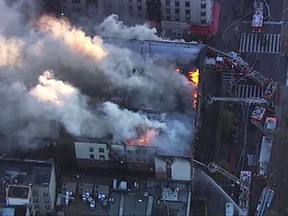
{"x":25,"y":172}
{"x":126,"y":196}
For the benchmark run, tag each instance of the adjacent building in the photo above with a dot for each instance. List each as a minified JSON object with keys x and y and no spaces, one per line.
{"x":28,"y":185}
{"x":173,"y":18}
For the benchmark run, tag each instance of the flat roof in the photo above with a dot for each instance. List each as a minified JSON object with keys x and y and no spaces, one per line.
{"x":25,"y":172}
{"x":170,"y":50}
{"x":15,"y":191}
{"x":141,"y":197}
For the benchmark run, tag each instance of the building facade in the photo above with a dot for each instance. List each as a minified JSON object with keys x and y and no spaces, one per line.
{"x":176,"y":18}
{"x":30,"y":184}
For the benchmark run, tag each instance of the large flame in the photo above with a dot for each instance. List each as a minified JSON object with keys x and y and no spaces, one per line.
{"x":193,"y":76}
{"x":144,"y":139}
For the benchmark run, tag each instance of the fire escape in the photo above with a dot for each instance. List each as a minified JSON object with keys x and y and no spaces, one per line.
{"x":154,"y":12}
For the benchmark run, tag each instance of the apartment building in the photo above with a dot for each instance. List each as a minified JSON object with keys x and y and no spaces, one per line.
{"x":177,"y":18}
{"x":28,"y":184}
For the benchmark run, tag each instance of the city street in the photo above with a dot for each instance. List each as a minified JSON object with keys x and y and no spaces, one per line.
{"x":271,"y":61}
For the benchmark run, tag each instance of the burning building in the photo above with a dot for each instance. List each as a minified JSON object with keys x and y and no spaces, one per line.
{"x":56,"y":78}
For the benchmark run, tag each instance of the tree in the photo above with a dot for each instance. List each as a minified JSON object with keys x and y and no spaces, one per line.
{"x":228,"y":121}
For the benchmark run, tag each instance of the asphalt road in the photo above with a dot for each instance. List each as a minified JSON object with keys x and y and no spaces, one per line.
{"x":272,"y":65}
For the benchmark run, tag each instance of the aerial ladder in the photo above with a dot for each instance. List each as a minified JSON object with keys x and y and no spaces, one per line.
{"x":212,"y":99}
{"x":213,"y":167}
{"x":243,"y":183}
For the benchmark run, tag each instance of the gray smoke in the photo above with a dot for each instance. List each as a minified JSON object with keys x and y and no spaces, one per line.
{"x":113,"y":27}
{"x":52,"y":75}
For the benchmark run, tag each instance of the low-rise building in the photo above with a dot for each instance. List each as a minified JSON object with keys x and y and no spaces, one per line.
{"x":29,"y":184}
{"x":91,"y":195}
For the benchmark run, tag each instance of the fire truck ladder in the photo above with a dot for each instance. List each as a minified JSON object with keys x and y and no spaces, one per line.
{"x":212,"y":99}
{"x":213,"y":167}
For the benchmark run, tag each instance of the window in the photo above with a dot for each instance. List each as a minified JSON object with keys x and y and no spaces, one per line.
{"x":46,"y":200}
{"x":177,"y":18}
{"x":139,"y":1}
{"x":138,"y":159}
{"x":203,"y":13}
{"x":101,"y":150}
{"x":91,"y":149}
{"x":203,"y":21}
{"x":187,"y":12}
{"x":76,"y":1}
{"x":187,"y":19}
{"x":139,"y":8}
{"x":168,"y":18}
{"x":203,"y":6}
{"x":47,"y":207}
{"x":35,"y":193}
{"x":130,"y":7}
{"x":176,"y":3}
{"x":168,"y":10}
{"x":177,"y":11}
{"x":45,"y":194}
{"x":38,"y":213}
{"x":187,"y":4}
{"x":64,"y":1}
{"x":92,"y":156}
{"x":36,"y":205}
{"x":35,"y":199}
{"x":167,"y":2}
{"x":102,"y":157}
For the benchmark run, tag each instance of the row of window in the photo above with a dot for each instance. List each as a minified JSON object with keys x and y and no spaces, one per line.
{"x":187,"y":19}
{"x":177,"y":3}
{"x":36,"y":200}
{"x":187,"y":12}
{"x":35,"y":193}
{"x":101,"y":157}
{"x":47,"y":207}
{"x":187,"y":4}
{"x":100,"y":150}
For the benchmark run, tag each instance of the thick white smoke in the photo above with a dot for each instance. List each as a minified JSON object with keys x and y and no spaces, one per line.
{"x":54,"y":76}
{"x":113,"y":27}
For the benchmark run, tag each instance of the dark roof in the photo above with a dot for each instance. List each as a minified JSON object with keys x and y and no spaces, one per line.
{"x":25,"y":172}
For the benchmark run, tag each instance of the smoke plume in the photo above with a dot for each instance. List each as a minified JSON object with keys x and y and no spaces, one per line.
{"x":113,"y":27}
{"x":54,"y":76}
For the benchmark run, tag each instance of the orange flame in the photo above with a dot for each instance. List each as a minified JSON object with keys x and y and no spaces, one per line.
{"x":195,"y":98}
{"x":193,"y":76}
{"x":144,"y":139}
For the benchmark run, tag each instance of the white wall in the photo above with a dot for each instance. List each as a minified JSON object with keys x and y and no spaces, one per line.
{"x":52,"y":187}
{"x":181,"y":169}
{"x":91,"y":151}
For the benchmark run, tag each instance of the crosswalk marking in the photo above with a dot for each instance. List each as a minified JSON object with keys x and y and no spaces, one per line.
{"x":267,"y":43}
{"x":248,"y":91}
